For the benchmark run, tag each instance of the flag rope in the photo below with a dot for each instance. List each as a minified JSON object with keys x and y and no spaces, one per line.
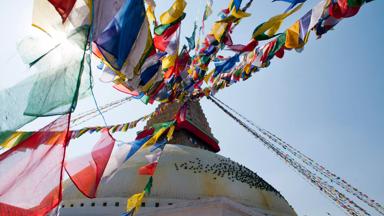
{"x":338,"y":197}
{"x":313,"y":164}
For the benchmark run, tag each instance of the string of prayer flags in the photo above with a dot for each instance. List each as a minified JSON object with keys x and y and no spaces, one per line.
{"x":86,"y":171}
{"x":295,"y":37}
{"x":36,"y":163}
{"x":183,"y":75}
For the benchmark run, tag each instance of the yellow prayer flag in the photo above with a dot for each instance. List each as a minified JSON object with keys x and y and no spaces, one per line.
{"x":155,"y":137}
{"x":239,"y":13}
{"x":206,"y":77}
{"x":292,"y":36}
{"x":134,"y":202}
{"x":170,"y":132}
{"x":174,"y":12}
{"x":274,"y":23}
{"x":13,"y":140}
{"x":230,"y":5}
{"x":151,"y":14}
{"x":218,"y":30}
{"x":168,"y":61}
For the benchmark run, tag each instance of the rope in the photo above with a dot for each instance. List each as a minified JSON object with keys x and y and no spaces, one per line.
{"x":313,"y":164}
{"x":339,"y":198}
{"x":96,"y":113}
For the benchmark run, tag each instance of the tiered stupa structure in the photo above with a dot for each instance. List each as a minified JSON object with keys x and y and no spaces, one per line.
{"x":191,"y":179}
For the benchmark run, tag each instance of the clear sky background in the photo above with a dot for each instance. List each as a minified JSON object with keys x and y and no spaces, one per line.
{"x":326,"y":101}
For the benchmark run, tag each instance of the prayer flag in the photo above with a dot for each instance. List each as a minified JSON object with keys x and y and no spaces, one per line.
{"x":218,"y":30}
{"x":63,"y":7}
{"x":148,"y":186}
{"x":86,"y":171}
{"x":134,"y":202}
{"x":226,"y":66}
{"x":136,"y":145}
{"x":273,"y":24}
{"x":126,"y":42}
{"x":174,"y":12}
{"x":207,"y":10}
{"x":292,"y":36}
{"x":148,"y":169}
{"x":31,"y":172}
{"x":244,"y":48}
{"x":10,"y":139}
{"x":191,"y":40}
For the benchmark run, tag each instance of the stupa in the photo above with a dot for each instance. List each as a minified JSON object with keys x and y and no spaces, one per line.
{"x":191,"y":179}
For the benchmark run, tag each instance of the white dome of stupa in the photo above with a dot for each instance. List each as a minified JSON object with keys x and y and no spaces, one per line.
{"x":184,"y":174}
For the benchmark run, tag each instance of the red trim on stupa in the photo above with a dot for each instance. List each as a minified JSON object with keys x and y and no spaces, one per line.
{"x":184,"y":123}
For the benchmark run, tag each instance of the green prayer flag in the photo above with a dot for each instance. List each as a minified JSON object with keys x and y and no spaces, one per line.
{"x":148,"y":186}
{"x":54,"y":87}
{"x":158,"y":126}
{"x":160,"y":29}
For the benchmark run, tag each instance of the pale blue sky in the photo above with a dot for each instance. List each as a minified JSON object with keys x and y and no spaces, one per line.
{"x":326,"y":101}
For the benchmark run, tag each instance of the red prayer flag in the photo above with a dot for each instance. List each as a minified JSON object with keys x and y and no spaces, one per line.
{"x":63,"y":7}
{"x":162,"y":41}
{"x":86,"y":171}
{"x":124,"y":89}
{"x":145,"y":133}
{"x":341,"y":9}
{"x":244,"y":48}
{"x":31,"y":172}
{"x":148,"y":169}
{"x":280,"y":52}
